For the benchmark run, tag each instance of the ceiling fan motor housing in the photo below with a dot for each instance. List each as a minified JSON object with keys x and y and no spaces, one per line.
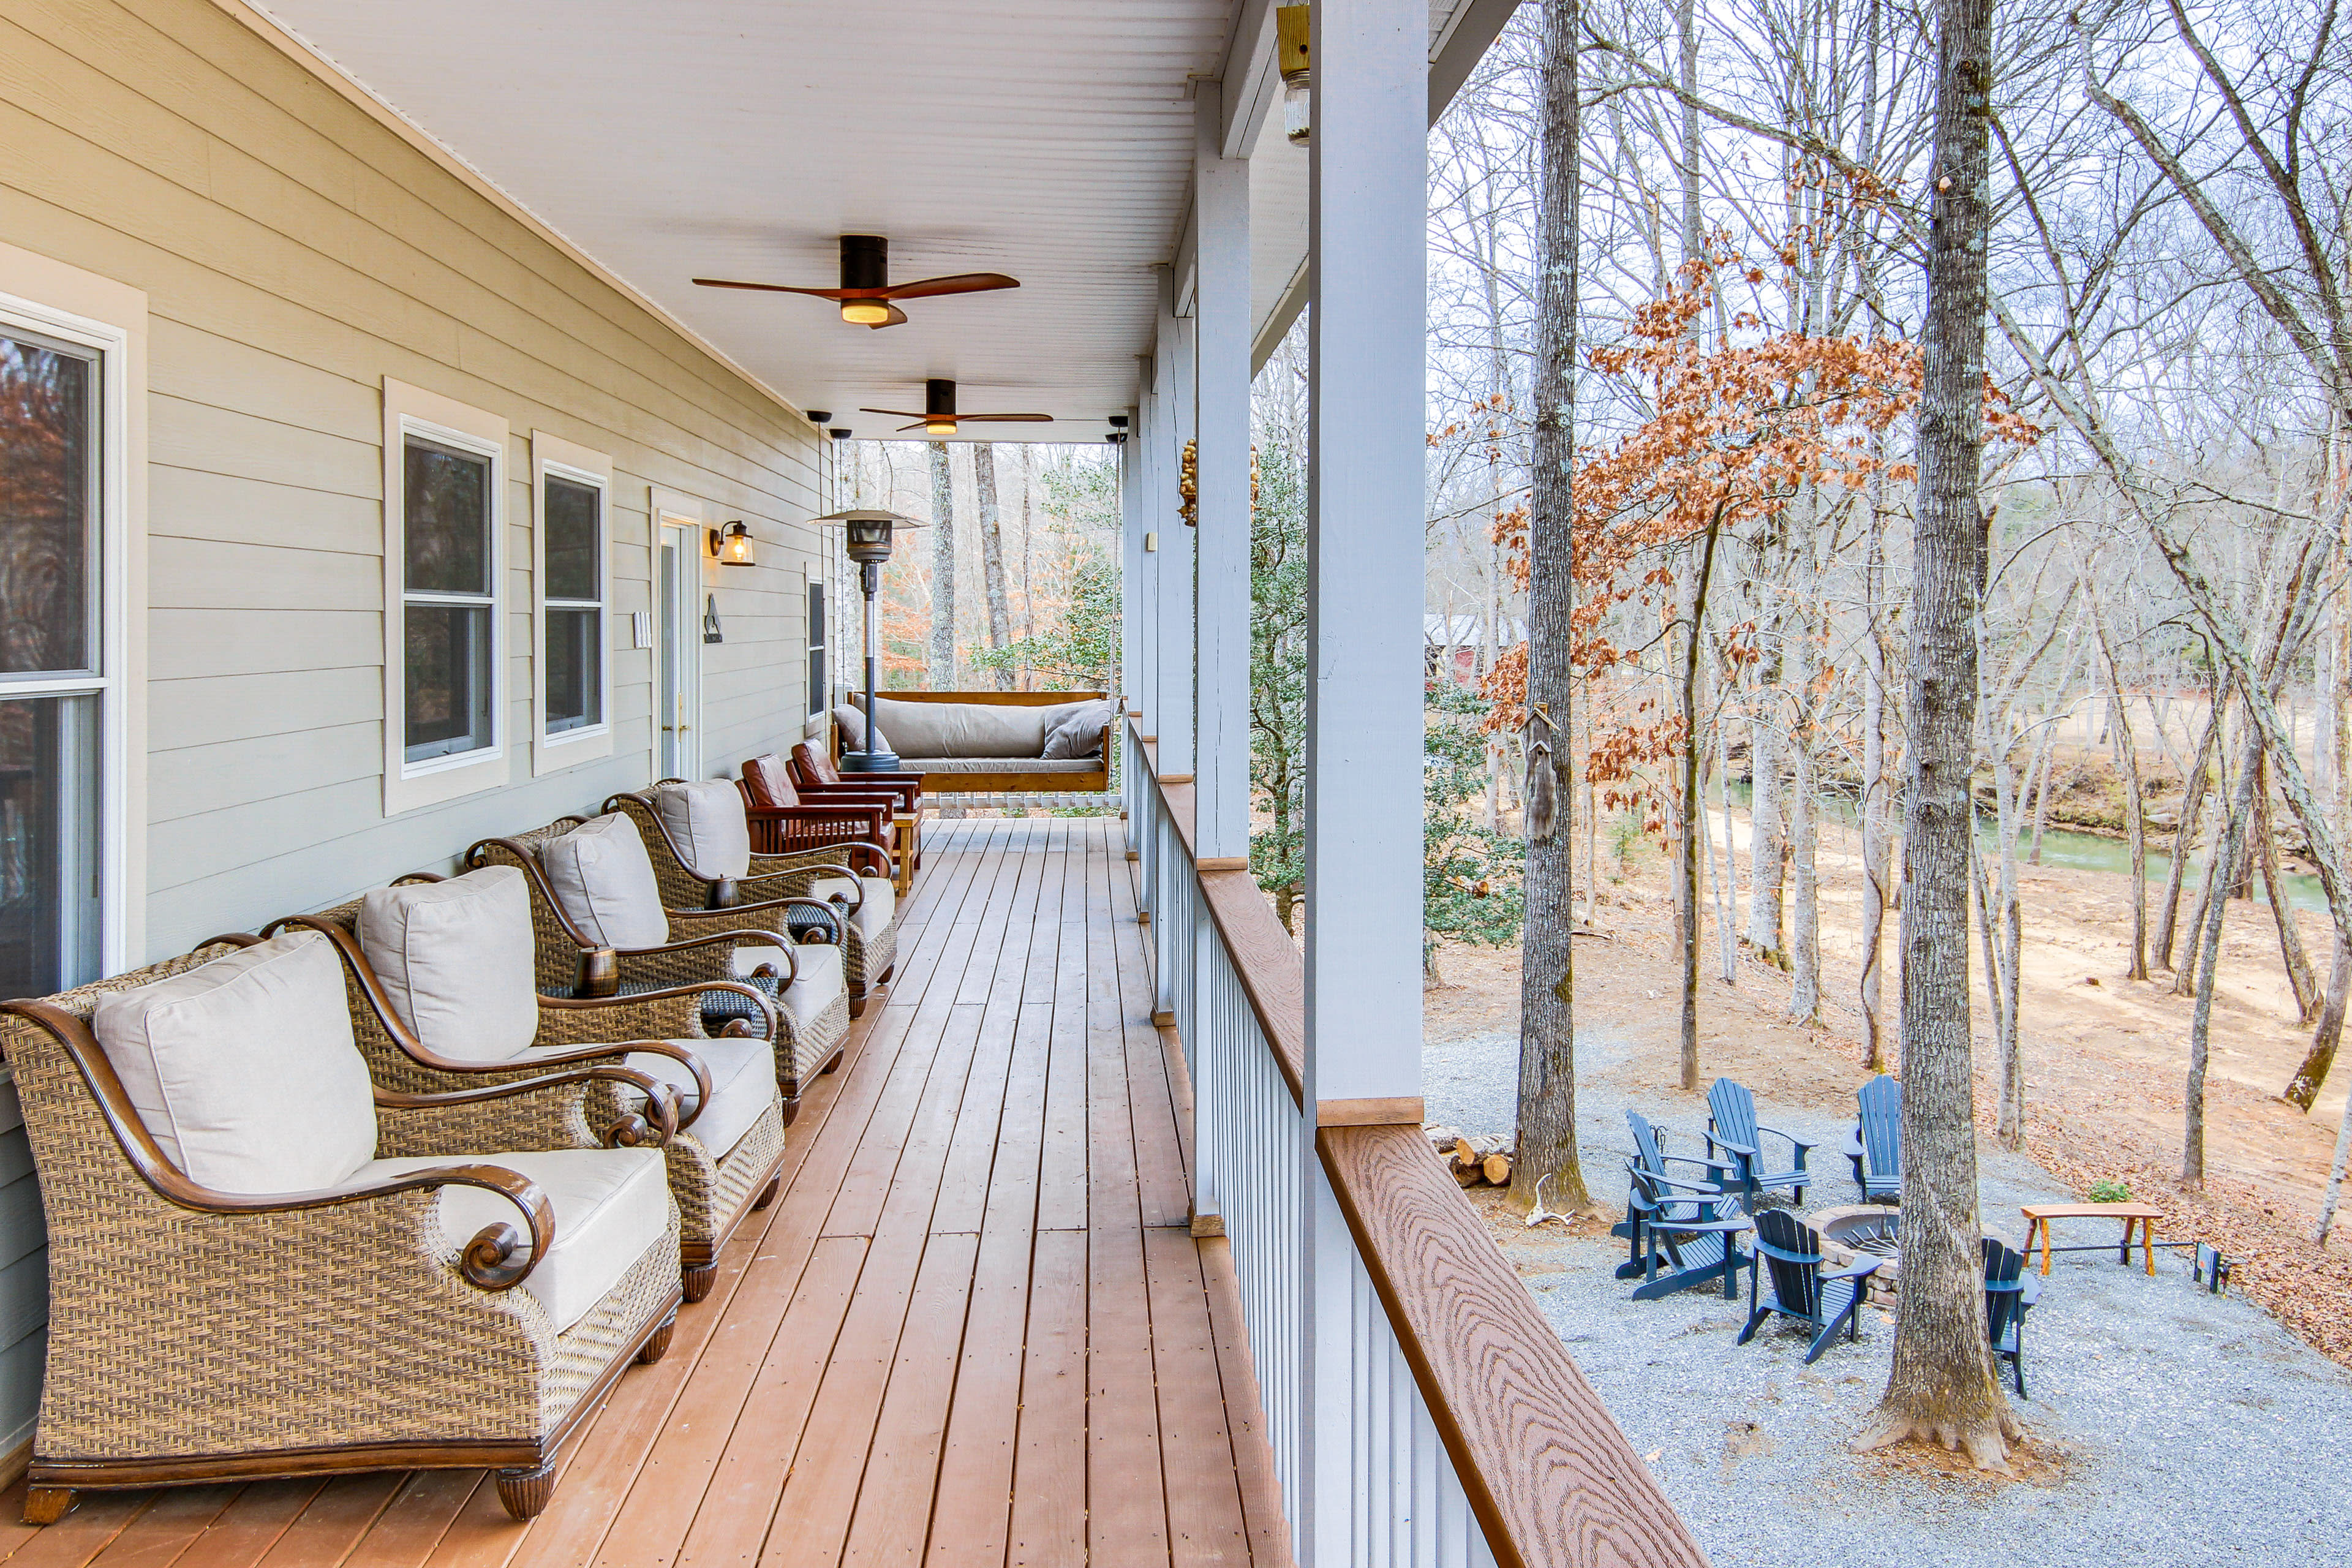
{"x":940,"y":398}
{"x":865,"y":261}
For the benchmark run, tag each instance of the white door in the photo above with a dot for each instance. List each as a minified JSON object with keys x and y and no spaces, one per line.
{"x":678,"y":698}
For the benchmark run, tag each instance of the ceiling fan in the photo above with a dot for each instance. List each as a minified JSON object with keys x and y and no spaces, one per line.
{"x":866,"y":293}
{"x":939,"y":416}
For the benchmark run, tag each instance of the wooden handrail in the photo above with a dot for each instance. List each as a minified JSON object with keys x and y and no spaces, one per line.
{"x":1549,"y":1475}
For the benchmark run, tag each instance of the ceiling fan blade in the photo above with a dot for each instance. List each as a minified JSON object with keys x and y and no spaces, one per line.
{"x":767,"y":288}
{"x":895,"y":413}
{"x":1010,"y":418}
{"x":896,"y":318}
{"x":918,"y":425}
{"x":956,"y":283}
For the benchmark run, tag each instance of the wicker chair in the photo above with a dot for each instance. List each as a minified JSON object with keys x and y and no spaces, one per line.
{"x":717,"y":1189}
{"x":869,"y":903}
{"x":811,"y":1024}
{"x":198,"y":1335}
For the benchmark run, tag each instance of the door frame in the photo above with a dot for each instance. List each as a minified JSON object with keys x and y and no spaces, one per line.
{"x":680,"y":522}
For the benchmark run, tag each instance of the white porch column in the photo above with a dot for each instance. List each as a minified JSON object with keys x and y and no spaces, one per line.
{"x":1171,"y":707}
{"x":1368,"y":211}
{"x":1221,"y":347}
{"x":1130,"y":618}
{"x":1221,"y":354}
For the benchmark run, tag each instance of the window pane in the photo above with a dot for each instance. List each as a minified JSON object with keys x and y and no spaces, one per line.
{"x":575,"y":669}
{"x":817,"y":673}
{"x":448,"y":679}
{"x":572,"y":534}
{"x":449,"y":520}
{"x":48,"y":844}
{"x":48,"y":455}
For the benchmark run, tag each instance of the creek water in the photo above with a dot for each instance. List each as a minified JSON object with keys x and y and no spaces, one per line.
{"x":2085,"y":852}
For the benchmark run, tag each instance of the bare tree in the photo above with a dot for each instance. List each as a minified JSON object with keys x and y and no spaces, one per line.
{"x":992,"y":556}
{"x":942,"y":672}
{"x":1942,"y":1385}
{"x":1546,"y":1089}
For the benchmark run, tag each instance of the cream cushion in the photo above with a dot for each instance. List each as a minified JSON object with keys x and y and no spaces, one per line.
{"x":456,"y":958}
{"x":820,"y":979}
{"x":708,"y":826}
{"x":963,"y":729}
{"x":243,"y":1069}
{"x":869,"y":919}
{"x":913,"y":764}
{"x":603,"y":880}
{"x":610,"y":1205}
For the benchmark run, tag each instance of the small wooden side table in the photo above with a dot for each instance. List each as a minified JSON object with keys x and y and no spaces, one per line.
{"x":2039,"y":1215}
{"x":908,"y":835}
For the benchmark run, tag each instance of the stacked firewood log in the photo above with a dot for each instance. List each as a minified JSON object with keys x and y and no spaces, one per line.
{"x":1475,"y":1159}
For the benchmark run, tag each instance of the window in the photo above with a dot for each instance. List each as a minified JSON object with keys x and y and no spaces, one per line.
{"x":575,"y":602}
{"x":820,"y":674}
{"x":444,"y":728}
{"x":54,"y":691}
{"x":450,"y":603}
{"x":571,"y":546}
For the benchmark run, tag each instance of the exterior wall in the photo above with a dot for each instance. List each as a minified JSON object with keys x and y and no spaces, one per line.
{"x":295,"y":253}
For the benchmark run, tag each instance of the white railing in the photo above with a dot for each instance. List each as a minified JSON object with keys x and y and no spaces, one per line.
{"x":1420,"y":1411}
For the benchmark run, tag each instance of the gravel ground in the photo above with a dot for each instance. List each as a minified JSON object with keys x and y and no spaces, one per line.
{"x":2169,"y":1426}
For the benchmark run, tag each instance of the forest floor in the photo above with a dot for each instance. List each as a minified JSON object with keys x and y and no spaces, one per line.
{"x":2105,"y":1058}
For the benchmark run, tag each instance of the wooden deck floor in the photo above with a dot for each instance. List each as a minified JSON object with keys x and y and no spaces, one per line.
{"x":973,"y":1329}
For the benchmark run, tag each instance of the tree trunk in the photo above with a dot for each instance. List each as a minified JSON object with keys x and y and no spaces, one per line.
{"x":1028,"y":592}
{"x":992,"y":556}
{"x":942,"y":672}
{"x":2184,"y":833}
{"x":2303,"y":1090}
{"x":1727,"y":899}
{"x":1693,"y":808}
{"x":1546,"y":1087}
{"x":2227,"y":852}
{"x":1767,"y":834}
{"x":1942,"y":1385}
{"x":2298,"y":962}
{"x":2213,"y":881}
{"x":2134,"y":801}
{"x":2336,"y":1176}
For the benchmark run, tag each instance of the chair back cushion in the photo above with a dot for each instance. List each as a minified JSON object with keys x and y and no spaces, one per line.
{"x":766,"y":782}
{"x":963,"y":729}
{"x":457,"y":958}
{"x":853,"y":727}
{"x":815,"y":766}
{"x":243,"y":1069}
{"x":1075,"y":729}
{"x":707,"y":826}
{"x":603,"y":878}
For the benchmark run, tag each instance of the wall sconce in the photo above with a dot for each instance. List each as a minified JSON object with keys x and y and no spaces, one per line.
{"x":732,"y":545}
{"x":1291,"y":33}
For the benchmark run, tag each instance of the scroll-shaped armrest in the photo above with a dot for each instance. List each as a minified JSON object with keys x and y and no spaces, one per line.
{"x":839,"y":872}
{"x":631,"y":1131}
{"x":487,"y":1261}
{"x":733,"y":937}
{"x":777,"y":934}
{"x":1716,"y":1141}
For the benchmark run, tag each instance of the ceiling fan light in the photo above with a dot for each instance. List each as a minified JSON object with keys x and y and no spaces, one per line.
{"x":939,"y":427}
{"x":866,"y":313}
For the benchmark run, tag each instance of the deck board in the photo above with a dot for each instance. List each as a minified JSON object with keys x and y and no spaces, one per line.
{"x":973,"y":1329}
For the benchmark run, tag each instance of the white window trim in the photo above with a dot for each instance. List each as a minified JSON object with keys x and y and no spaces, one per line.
{"x":413,"y":411}
{"x":580,"y":465}
{"x":50,"y":297}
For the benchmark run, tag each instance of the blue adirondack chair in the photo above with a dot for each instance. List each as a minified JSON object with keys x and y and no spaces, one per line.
{"x":1790,"y":1253}
{"x":1875,"y":1145}
{"x":1649,"y":1155}
{"x":1683,"y":1236}
{"x":2011,"y":1291}
{"x":1732,"y":1129}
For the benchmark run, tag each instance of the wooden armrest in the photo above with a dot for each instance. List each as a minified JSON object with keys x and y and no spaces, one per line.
{"x":1791,"y":1137}
{"x":733,"y":937}
{"x":664,"y":994}
{"x":1859,"y":1268}
{"x":631,"y":1131}
{"x":1721,"y":1142}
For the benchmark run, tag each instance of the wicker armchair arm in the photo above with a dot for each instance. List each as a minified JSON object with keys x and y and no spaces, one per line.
{"x":632,"y":1131}
{"x":775,"y":907}
{"x":487,"y":1261}
{"x":728,"y":939}
{"x":558,"y":1007}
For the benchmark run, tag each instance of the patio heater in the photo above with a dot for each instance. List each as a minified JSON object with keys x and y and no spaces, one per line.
{"x":868,"y":533}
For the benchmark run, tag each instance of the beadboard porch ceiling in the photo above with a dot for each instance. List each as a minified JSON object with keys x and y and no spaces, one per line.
{"x":716,"y":138}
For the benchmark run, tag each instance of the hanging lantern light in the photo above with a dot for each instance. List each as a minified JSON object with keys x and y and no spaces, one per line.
{"x":1290,"y":23}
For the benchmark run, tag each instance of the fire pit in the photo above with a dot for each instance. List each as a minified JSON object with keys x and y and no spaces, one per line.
{"x":1864,"y":1229}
